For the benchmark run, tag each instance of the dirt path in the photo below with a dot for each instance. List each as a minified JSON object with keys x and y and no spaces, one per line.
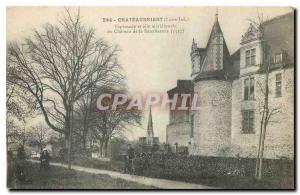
{"x":159,"y":183}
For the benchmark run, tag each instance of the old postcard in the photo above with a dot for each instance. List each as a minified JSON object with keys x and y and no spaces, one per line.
{"x":150,"y":97}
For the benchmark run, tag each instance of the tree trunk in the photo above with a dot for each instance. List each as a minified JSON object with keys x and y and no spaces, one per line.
{"x":41,"y":148}
{"x":106,"y":148}
{"x":70,"y":142}
{"x":67,"y":147}
{"x":262,"y":148}
{"x":84,"y":141}
{"x":24,"y":138}
{"x":100,"y":148}
{"x":265,"y":124}
{"x":68,"y":134}
{"x":259,"y":143}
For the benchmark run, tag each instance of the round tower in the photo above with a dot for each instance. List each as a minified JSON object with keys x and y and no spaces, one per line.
{"x":213,"y":119}
{"x":212,"y":122}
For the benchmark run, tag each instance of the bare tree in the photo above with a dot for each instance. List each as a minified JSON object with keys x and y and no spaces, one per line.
{"x":266,"y":111}
{"x":113,"y":122}
{"x":18,"y":109}
{"x":58,"y":65}
{"x":84,"y":118}
{"x":39,"y":135}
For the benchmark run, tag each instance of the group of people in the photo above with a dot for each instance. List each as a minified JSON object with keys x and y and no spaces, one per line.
{"x":17,"y":166}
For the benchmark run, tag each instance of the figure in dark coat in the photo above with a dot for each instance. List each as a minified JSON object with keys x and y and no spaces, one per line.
{"x":129,"y":163}
{"x":20,"y":164}
{"x":62,"y":153}
{"x":10,"y":168}
{"x":45,"y":160}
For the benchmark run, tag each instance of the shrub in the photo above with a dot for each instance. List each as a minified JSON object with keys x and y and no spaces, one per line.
{"x":179,"y":166}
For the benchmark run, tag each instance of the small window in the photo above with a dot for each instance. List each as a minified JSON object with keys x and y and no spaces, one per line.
{"x":278,"y":85}
{"x":250,"y":57}
{"x":249,"y":89}
{"x":278,"y":59}
{"x":248,"y":121}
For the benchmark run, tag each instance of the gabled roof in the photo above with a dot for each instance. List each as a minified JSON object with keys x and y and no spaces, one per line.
{"x":278,"y":33}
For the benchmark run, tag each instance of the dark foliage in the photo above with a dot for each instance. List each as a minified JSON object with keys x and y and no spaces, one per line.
{"x":229,"y":173}
{"x":216,"y":171}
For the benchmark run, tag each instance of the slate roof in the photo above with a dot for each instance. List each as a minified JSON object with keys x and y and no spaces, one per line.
{"x":279,"y":35}
{"x":227,"y":62}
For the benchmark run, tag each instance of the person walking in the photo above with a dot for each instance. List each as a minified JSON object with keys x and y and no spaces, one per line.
{"x":45,"y":160}
{"x":44,"y":167}
{"x":10,"y":169}
{"x":130,"y":159}
{"x":20,"y":165}
{"x":62,"y":153}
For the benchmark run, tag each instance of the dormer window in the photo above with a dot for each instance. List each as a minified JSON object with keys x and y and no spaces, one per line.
{"x":250,"y":57}
{"x":278,"y":58}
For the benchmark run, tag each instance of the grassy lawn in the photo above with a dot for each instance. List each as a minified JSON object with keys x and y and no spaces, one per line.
{"x":62,"y":178}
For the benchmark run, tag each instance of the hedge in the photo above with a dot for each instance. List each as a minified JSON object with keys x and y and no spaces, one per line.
{"x":170,"y":166}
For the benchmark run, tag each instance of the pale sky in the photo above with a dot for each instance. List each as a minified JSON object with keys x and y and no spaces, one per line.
{"x":152,"y":62}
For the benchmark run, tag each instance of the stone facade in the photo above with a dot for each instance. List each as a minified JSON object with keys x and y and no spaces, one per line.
{"x":280,"y":132}
{"x":231,"y":95}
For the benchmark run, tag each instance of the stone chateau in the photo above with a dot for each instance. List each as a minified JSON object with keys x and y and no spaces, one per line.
{"x":230,"y":90}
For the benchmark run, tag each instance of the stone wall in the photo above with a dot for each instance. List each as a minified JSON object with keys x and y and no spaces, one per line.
{"x":218,"y":122}
{"x":178,"y":133}
{"x":280,"y":131}
{"x":213,"y":119}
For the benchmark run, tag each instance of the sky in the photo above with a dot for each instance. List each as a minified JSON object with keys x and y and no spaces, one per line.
{"x":152,"y":62}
